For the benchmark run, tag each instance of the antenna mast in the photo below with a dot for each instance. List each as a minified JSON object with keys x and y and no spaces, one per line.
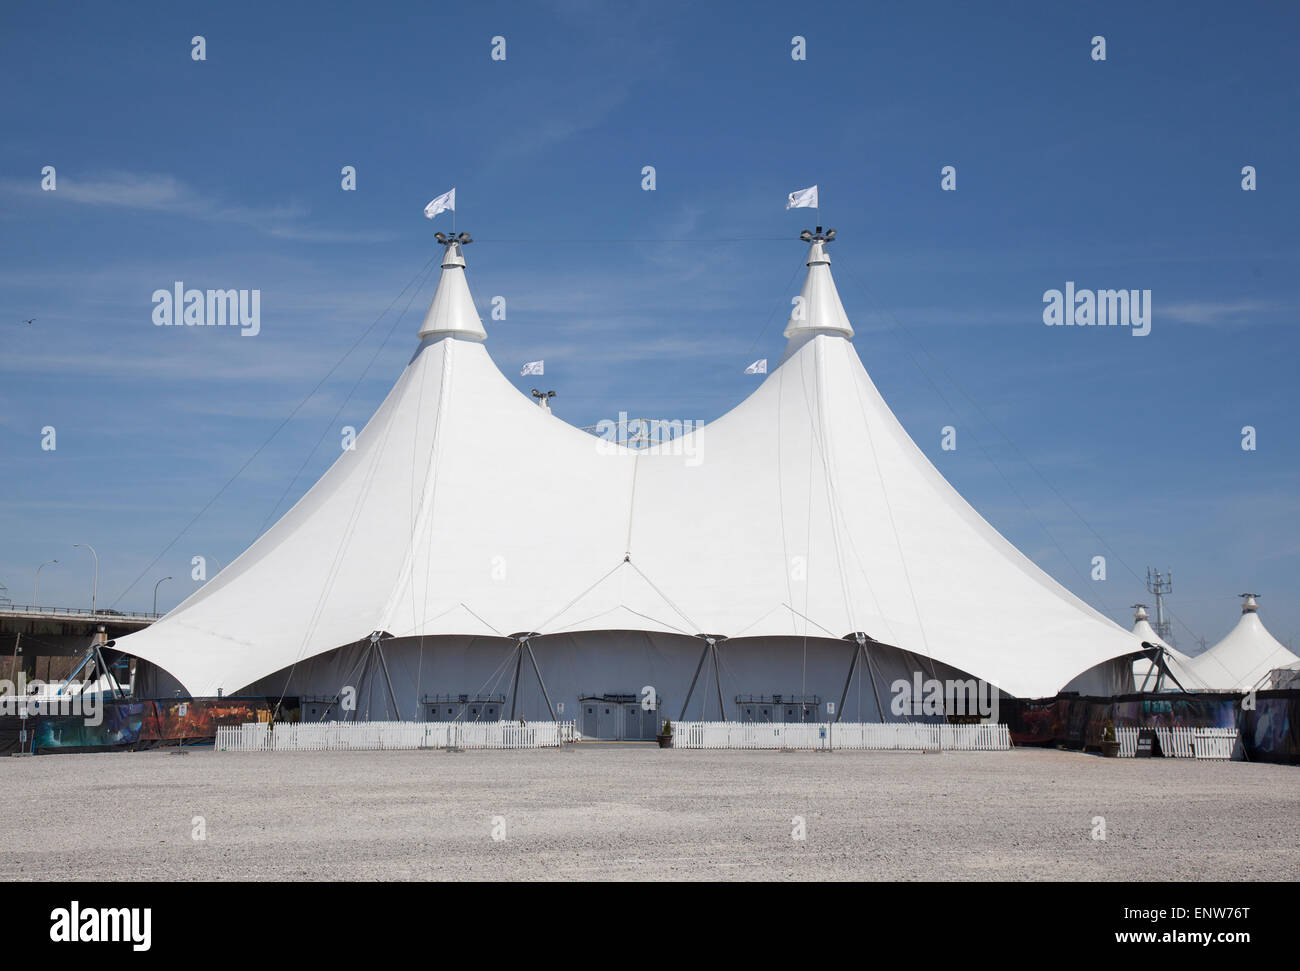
{"x":1158,"y":586}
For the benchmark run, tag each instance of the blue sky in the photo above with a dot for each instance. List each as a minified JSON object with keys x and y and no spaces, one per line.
{"x":226,"y":173}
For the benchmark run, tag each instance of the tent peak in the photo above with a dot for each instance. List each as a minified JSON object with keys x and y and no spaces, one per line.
{"x":452,"y":313}
{"x":817,"y":309}
{"x":453,"y":255}
{"x":817,"y":251}
{"x":1139,"y":611}
{"x":1246,"y":655}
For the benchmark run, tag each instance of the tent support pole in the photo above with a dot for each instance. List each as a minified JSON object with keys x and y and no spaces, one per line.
{"x":524,"y":645}
{"x":338,"y":696}
{"x":1153,"y":668}
{"x":362,"y":682}
{"x":392,"y":696}
{"x":102,"y":669}
{"x":1166,"y":672}
{"x":691,"y":690}
{"x":717,"y":677}
{"x":857,"y":649}
{"x":519,"y":664}
{"x":118,"y":693}
{"x":77,"y":670}
{"x":872,"y":674}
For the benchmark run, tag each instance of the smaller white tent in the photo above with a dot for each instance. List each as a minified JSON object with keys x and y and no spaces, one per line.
{"x":1243,"y":659}
{"x":1146,"y":673}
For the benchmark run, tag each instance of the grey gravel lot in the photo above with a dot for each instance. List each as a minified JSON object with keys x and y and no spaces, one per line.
{"x":607,"y":812}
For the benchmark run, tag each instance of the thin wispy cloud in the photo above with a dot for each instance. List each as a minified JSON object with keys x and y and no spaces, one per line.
{"x":1233,"y":313}
{"x":162,"y":193}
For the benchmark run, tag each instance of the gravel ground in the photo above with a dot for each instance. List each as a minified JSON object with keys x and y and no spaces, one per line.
{"x":639,"y":813}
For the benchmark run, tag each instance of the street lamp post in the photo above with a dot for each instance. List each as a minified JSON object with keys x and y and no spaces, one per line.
{"x":94,"y":590}
{"x":36,"y":582}
{"x":155,"y":595}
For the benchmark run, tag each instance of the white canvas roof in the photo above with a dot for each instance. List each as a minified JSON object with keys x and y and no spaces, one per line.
{"x":465,"y":509}
{"x":1244,"y":658}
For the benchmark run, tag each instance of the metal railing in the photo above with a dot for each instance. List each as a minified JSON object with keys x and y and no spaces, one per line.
{"x":102,"y":612}
{"x":842,"y":735}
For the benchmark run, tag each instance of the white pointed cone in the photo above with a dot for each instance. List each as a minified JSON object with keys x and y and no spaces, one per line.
{"x":1243,"y":658}
{"x":819,"y":310}
{"x":452,"y":313}
{"x":1143,"y":630}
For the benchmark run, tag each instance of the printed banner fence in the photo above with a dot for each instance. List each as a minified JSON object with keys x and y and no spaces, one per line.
{"x":1267,"y":723}
{"x":1078,"y":722}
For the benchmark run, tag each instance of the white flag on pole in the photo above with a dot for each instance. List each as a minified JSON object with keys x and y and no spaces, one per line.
{"x":803,"y":199}
{"x":758,"y":367}
{"x":532,"y":367}
{"x":441,"y":204}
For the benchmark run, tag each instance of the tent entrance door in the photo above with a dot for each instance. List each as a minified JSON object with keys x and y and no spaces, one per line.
{"x":618,"y":718}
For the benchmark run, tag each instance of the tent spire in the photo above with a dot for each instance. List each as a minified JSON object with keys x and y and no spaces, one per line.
{"x":1248,"y":605}
{"x":452,"y":313}
{"x":818,"y":309}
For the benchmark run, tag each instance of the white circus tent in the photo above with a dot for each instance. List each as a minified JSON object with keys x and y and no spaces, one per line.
{"x":465,"y":511}
{"x":1244,"y":658}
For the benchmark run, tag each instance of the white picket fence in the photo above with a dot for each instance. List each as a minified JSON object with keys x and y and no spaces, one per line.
{"x":1176,"y":743}
{"x":842,"y":735}
{"x":1128,"y":742}
{"x":376,"y":736}
{"x":1215,"y":743}
{"x":1182,"y":743}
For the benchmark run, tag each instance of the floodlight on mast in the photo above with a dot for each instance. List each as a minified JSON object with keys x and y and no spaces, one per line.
{"x":808,"y":235}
